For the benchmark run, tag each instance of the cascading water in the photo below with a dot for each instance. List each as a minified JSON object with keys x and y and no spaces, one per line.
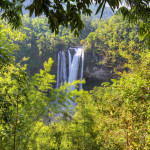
{"x":61,"y":69}
{"x":76,"y":61}
{"x":82,"y":66}
{"x":74,"y":66}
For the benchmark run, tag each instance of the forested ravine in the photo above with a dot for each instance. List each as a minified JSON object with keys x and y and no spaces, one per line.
{"x":45,"y":106}
{"x":102,"y":41}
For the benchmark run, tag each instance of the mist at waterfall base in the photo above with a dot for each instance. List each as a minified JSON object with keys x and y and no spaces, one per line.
{"x":74,"y":71}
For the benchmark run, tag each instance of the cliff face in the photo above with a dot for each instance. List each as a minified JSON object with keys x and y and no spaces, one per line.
{"x":95,"y":73}
{"x":98,"y":73}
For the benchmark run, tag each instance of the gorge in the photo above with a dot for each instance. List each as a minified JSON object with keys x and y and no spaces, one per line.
{"x":43,"y":104}
{"x":101,"y":52}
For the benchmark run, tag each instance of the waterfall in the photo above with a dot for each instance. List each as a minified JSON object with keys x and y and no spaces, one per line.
{"x":82,"y":65}
{"x":58,"y":63}
{"x":69,"y":57}
{"x":61,"y":69}
{"x":75,"y":67}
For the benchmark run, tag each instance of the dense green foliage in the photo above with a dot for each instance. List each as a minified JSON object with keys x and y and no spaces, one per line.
{"x":108,"y":117}
{"x":68,"y":12}
{"x":40,"y":43}
{"x":24,"y":101}
{"x":102,"y":40}
{"x":110,"y":37}
{"x":34,"y":115}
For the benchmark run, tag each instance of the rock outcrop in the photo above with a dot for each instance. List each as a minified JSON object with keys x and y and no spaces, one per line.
{"x":97,"y":73}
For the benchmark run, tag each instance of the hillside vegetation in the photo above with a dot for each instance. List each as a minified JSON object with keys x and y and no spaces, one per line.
{"x":113,"y":115}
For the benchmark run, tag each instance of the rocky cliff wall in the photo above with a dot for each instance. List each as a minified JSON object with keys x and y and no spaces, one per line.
{"x":95,"y":73}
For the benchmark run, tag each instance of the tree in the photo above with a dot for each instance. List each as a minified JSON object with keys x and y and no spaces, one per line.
{"x":68,"y":12}
{"x":23,"y":102}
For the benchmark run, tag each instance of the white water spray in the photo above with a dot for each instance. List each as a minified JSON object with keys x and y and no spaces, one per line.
{"x":61,"y":69}
{"x":76,"y":61}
